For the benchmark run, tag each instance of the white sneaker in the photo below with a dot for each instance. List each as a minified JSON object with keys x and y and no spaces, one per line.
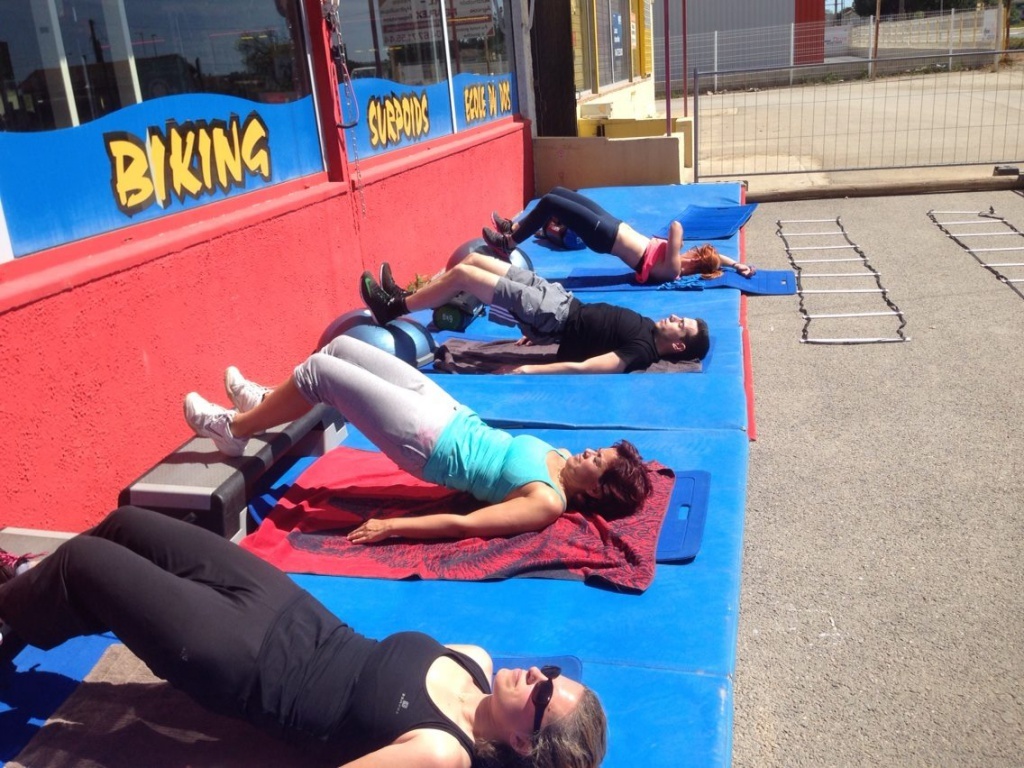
{"x":245,"y":394}
{"x":214,"y":422}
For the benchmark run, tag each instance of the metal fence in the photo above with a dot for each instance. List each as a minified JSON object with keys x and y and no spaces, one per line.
{"x":789,"y":45}
{"x":861,"y":114}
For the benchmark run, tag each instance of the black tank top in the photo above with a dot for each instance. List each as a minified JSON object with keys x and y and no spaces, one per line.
{"x":342,"y":695}
{"x":391,"y":695}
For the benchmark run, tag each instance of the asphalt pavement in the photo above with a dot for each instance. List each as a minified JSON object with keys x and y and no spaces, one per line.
{"x":883,"y":589}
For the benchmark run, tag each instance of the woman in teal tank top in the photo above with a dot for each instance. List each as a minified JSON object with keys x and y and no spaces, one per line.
{"x":526,"y":483}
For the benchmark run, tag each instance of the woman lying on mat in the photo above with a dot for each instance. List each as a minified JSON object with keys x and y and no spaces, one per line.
{"x":242,"y":639}
{"x":653,"y":258}
{"x":526,"y":482}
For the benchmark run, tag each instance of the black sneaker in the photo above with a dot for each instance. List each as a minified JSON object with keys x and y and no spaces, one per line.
{"x":388,"y":283}
{"x":503,"y":225}
{"x":501,"y":245}
{"x":384,"y":306}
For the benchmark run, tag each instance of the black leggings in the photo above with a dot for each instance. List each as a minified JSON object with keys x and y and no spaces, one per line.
{"x":192,"y":605}
{"x":595,"y":226}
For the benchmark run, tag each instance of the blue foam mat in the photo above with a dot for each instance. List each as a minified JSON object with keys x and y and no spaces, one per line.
{"x":764,"y":282}
{"x":679,"y":635}
{"x":693,"y":401}
{"x":683,"y":528}
{"x":661,"y":661}
{"x":38,"y":684}
{"x":685,"y":620}
{"x":663,"y":718}
{"x":648,"y":208}
{"x":709,"y":222}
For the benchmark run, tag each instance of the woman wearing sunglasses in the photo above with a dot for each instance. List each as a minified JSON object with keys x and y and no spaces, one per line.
{"x":242,"y":639}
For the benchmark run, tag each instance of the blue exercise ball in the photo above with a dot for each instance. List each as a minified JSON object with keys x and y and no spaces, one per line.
{"x":341,"y":324}
{"x":404,"y":338}
{"x":477,"y":245}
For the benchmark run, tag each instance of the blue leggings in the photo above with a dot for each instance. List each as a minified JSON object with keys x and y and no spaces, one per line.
{"x":595,"y":226}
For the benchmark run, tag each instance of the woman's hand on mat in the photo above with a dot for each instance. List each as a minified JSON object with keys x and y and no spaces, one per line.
{"x":747,"y":270}
{"x":370,"y":532}
{"x":523,"y":342}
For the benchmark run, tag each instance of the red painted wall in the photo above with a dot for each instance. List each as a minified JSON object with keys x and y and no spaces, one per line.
{"x":100,"y":340}
{"x":809,"y":44}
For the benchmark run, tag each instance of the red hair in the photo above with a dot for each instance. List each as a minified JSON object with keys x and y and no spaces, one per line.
{"x":709,"y":263}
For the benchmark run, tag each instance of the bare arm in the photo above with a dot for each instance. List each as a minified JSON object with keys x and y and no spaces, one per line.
{"x":609,"y":362}
{"x":668,"y":269}
{"x":424,"y":748}
{"x":536,"y":509}
{"x":747,"y":270}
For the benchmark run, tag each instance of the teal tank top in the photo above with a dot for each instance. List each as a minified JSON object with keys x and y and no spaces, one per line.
{"x":486,"y":462}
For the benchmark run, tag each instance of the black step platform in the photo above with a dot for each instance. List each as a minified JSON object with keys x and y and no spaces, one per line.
{"x":199,"y":484}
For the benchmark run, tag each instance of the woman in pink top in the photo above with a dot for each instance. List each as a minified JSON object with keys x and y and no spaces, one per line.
{"x":654,"y":259}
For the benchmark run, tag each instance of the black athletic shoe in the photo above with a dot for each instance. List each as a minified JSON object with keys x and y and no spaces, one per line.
{"x":388,"y":283}
{"x":384,"y":307}
{"x":501,"y":245}
{"x":503,"y":225}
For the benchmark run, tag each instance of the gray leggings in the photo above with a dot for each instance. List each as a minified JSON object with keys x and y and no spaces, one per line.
{"x":399,"y":409}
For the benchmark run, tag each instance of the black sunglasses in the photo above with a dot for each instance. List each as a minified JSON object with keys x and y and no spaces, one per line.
{"x":542,"y":693}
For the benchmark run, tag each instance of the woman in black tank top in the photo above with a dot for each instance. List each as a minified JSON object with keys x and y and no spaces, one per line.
{"x":242,"y":639}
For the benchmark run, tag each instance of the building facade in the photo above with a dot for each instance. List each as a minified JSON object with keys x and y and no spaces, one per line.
{"x":187,"y":185}
{"x":725,"y":35}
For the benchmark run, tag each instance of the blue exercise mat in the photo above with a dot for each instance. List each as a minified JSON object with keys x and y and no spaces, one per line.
{"x":688,"y":614}
{"x":655,"y":402}
{"x":661,"y":661}
{"x":664,"y":718}
{"x":683,"y":529}
{"x":764,"y":282}
{"x":710,"y":222}
{"x":648,"y":209}
{"x":39,"y":683}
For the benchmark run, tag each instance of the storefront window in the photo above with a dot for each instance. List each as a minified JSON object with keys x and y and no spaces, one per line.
{"x":117,"y":111}
{"x":402,"y":89}
{"x":66,"y":62}
{"x":113,"y":112}
{"x":607,"y":33}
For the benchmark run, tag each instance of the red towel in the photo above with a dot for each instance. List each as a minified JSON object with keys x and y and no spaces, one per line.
{"x":305,"y":532}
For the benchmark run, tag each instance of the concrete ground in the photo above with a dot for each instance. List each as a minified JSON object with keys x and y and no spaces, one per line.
{"x":883,"y":592}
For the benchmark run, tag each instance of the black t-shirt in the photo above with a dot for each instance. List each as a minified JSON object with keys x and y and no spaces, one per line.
{"x":598,"y":328}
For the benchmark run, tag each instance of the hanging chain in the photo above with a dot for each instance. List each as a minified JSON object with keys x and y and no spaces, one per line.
{"x":329,"y":8}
